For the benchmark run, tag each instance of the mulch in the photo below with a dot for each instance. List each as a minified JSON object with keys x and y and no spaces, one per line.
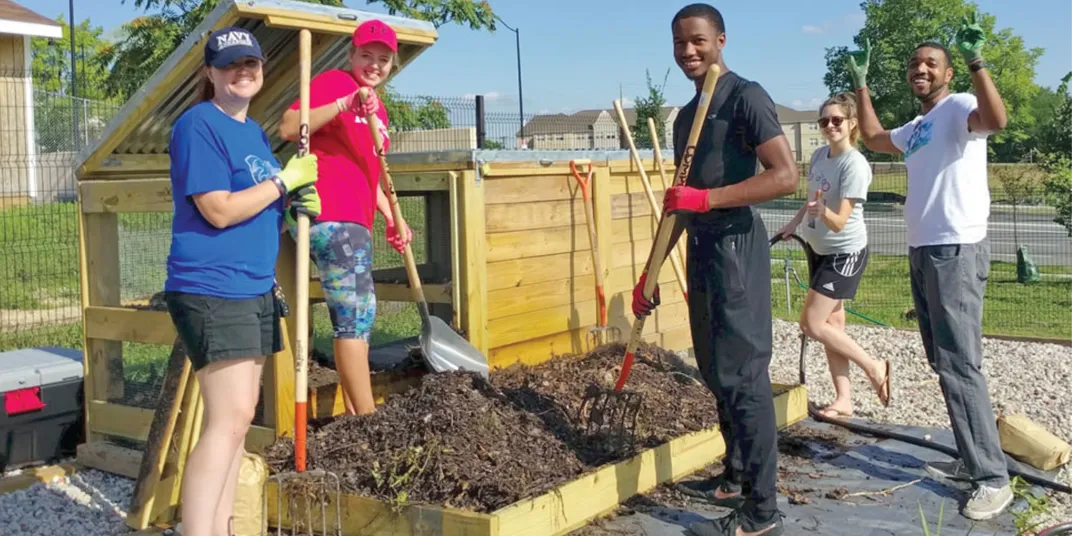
{"x":461,"y":442}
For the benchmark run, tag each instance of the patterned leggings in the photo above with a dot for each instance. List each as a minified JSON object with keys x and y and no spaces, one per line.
{"x":342,"y":252}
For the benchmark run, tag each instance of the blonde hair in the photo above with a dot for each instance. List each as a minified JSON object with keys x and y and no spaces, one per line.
{"x":847,"y":102}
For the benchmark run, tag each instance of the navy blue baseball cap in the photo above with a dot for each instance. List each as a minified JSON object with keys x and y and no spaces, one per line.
{"x":227,"y":45}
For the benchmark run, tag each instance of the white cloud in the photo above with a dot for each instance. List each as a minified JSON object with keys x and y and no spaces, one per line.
{"x":816,"y":102}
{"x":815,"y":30}
{"x":628,"y":103}
{"x":797,"y":103}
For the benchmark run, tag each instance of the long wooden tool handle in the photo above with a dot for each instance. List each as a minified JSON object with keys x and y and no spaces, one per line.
{"x":662,"y":173}
{"x":586,"y":192}
{"x":396,"y":210}
{"x":301,"y":316}
{"x":656,"y":209}
{"x":666,"y":224}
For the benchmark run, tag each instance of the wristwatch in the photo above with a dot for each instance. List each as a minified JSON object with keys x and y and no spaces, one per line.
{"x":279,"y":184}
{"x":977,"y":66}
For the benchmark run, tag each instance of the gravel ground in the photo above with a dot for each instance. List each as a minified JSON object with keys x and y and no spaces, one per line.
{"x":89,"y":502}
{"x":1026,"y":378}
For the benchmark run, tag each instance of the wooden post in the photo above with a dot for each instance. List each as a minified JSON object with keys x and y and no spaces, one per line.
{"x":278,"y":390}
{"x":474,"y":261}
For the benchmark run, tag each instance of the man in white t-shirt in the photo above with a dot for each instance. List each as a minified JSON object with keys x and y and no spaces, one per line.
{"x":949,"y":254}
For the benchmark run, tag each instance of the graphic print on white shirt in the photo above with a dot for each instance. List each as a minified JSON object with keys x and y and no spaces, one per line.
{"x":948,"y":200}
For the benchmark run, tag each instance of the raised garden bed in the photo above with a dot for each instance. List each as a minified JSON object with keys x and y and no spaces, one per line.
{"x":458,"y":455}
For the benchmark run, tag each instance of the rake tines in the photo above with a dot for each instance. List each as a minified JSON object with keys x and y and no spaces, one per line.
{"x":304,"y":487}
{"x":610,"y":413}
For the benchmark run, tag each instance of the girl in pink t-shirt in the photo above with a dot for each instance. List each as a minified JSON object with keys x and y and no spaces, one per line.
{"x":340,"y":239}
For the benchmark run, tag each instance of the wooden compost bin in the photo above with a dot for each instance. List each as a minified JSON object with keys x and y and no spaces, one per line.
{"x":526,"y":293}
{"x":126,"y":173}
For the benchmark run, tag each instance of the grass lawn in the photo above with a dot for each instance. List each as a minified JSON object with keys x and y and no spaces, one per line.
{"x":1041,"y":309}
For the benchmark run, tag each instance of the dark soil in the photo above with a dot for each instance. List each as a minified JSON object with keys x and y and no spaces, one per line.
{"x":458,"y":441}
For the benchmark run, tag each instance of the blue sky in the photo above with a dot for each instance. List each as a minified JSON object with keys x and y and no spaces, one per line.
{"x":579,"y":54}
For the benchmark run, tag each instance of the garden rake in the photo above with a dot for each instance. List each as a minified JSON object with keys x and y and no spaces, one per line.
{"x":305,"y":487}
{"x":601,"y":333}
{"x":614,"y":413}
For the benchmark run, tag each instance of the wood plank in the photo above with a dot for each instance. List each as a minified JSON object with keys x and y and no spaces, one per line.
{"x":537,"y":242}
{"x":633,"y":205}
{"x":153,"y":194}
{"x":371,"y":517}
{"x":327,"y":400}
{"x":574,"y":504}
{"x":542,"y":349}
{"x":537,"y":215}
{"x":278,"y":391}
{"x":627,"y":166}
{"x":121,"y":164}
{"x":633,"y":183}
{"x":522,"y":327}
{"x":127,"y":324}
{"x":44,"y":475}
{"x":512,"y":301}
{"x":110,"y":458}
{"x":475,"y":268}
{"x":519,"y":272}
{"x":531,"y":188}
{"x":100,"y":245}
{"x":407,"y":35}
{"x":131,"y":195}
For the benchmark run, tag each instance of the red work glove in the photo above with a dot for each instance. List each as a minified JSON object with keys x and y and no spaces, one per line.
{"x":398,"y":239}
{"x":685,"y":199}
{"x":641,"y":306}
{"x":352,"y":102}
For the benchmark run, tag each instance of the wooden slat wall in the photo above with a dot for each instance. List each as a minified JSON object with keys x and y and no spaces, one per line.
{"x":540,"y":275}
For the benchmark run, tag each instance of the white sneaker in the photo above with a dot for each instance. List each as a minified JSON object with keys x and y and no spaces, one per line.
{"x":987,"y":502}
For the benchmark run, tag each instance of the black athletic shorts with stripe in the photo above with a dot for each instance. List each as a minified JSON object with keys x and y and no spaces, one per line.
{"x":836,"y":275}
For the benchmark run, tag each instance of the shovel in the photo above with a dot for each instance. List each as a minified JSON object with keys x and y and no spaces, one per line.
{"x":443,"y":348}
{"x":601,"y":333}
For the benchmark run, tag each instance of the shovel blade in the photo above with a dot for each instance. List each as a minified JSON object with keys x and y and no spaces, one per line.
{"x":446,"y":351}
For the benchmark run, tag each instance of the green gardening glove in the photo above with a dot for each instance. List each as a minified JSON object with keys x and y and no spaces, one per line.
{"x":306,"y":201}
{"x":970,"y":39}
{"x":298,"y":172}
{"x":857,"y":63}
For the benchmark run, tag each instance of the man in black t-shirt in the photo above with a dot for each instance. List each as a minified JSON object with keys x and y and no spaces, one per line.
{"x":728,"y":269}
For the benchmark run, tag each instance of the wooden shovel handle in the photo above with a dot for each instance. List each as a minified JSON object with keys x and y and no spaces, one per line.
{"x":396,"y":211}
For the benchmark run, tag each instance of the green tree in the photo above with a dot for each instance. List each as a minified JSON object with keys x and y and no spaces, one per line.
{"x":427,"y":115}
{"x":896,"y":27}
{"x":147,"y":41}
{"x":650,"y":106}
{"x":54,"y":110}
{"x":1055,"y":155}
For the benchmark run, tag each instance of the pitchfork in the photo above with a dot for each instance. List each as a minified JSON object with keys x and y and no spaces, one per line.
{"x":617,"y":410}
{"x":302,"y":483}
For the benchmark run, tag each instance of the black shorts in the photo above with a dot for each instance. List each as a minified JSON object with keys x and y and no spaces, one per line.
{"x":836,"y":275}
{"x":217,"y":329}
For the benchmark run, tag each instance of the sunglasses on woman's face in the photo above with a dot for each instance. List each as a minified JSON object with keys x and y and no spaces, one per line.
{"x":836,"y":120}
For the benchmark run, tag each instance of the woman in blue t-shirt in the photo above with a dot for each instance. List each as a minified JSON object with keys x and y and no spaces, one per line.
{"x":229,"y":196}
{"x":836,"y":236}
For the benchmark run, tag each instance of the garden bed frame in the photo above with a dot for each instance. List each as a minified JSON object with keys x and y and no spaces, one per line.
{"x":566,"y":508}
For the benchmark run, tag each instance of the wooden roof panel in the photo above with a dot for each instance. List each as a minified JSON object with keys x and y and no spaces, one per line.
{"x":143,"y":125}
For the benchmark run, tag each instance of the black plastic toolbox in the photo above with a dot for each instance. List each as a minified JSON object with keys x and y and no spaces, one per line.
{"x":41,"y":408}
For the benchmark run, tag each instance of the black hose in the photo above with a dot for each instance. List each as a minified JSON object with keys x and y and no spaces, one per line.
{"x":871,"y":430}
{"x":1063,"y":529}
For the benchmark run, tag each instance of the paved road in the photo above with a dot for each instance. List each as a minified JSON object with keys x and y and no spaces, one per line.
{"x":1047,"y":242}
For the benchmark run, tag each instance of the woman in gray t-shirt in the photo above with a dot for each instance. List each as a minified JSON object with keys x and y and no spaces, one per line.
{"x":836,"y":236}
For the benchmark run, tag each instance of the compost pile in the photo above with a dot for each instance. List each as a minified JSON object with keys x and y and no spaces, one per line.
{"x":458,"y":441}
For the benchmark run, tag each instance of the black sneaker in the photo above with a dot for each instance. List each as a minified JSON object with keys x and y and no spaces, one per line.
{"x":705,"y":490}
{"x":727,"y":526}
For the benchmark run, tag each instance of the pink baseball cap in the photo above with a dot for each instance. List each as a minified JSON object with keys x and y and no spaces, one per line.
{"x":375,"y":31}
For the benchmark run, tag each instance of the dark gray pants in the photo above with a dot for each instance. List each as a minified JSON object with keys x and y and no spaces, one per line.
{"x":730,"y":314}
{"x":948,"y":283}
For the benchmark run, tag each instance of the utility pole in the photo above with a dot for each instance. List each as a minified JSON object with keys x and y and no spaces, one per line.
{"x":520,"y":95}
